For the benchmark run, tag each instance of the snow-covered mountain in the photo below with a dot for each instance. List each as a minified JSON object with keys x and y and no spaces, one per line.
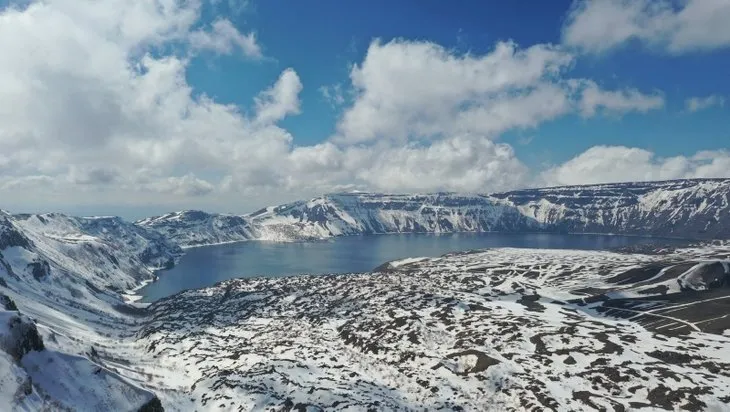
{"x":495,"y":330}
{"x":697,"y":209}
{"x":71,"y":274}
{"x":196,"y":228}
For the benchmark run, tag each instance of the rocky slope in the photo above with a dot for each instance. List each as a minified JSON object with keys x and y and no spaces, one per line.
{"x":70,"y":274}
{"x":697,"y":209}
{"x":33,"y":377}
{"x":196,"y":228}
{"x":501,"y":329}
{"x":497,"y":330}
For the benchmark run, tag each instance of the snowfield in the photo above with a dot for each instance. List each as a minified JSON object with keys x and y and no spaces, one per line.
{"x":503,"y":329}
{"x":643,"y":328}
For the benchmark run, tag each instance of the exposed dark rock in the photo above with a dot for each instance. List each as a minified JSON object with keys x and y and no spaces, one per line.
{"x":11,"y":237}
{"x":40,"y":270}
{"x":22,"y":337}
{"x":7,"y":303}
{"x":674,"y":358}
{"x":153,"y":405}
{"x":483,"y":362}
{"x":670,"y":399}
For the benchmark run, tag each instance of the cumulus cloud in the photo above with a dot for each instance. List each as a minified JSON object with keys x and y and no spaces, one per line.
{"x":458,"y":163}
{"x":455,"y":164}
{"x":281,"y":100}
{"x":224,"y":38}
{"x":96,"y":107}
{"x":90,"y":98}
{"x":595,"y":99}
{"x":696,"y":104}
{"x":407,"y":89}
{"x":605,"y":164}
{"x":597,"y":26}
{"x":187,"y":185}
{"x":485,"y":95}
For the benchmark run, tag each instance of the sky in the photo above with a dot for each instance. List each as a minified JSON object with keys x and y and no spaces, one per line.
{"x":139,"y":107}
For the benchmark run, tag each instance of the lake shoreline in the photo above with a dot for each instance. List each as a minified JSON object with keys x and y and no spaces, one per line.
{"x":203,"y":266}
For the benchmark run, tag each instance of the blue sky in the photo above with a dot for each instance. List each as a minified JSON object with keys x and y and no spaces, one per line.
{"x":321,"y":40}
{"x":136,"y":107}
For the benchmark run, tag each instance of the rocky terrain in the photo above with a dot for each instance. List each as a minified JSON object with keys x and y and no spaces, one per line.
{"x":504,"y":329}
{"x":499,"y":329}
{"x":69,"y":275}
{"x":197,"y":228}
{"x":694,"y":209}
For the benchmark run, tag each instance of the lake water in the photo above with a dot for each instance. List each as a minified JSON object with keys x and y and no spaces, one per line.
{"x":205,"y":266}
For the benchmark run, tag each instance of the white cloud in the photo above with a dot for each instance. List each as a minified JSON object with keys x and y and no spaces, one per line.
{"x":696,"y":104}
{"x":594,"y":99}
{"x":280,"y":100}
{"x":96,"y":108}
{"x":187,"y":185}
{"x":454,"y":164}
{"x":86,"y":106}
{"x":407,"y":89}
{"x":333,"y":94}
{"x":224,"y":38}
{"x":605,"y":164}
{"x":676,"y":27}
{"x":421,"y":91}
{"x":460,"y":163}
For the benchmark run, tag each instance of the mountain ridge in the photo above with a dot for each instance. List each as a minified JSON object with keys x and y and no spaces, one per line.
{"x":687,"y":208}
{"x":614,"y":329}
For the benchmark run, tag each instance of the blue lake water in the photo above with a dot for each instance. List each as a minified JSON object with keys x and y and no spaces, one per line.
{"x":205,"y":266}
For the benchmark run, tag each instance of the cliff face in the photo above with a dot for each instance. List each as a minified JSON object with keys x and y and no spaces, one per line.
{"x":697,"y":209}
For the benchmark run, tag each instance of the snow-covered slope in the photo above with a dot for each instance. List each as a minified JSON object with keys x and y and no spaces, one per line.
{"x":70,"y":274}
{"x":501,"y":330}
{"x":81,"y":256}
{"x":698,"y":209}
{"x":364,"y":213}
{"x":34,"y":378}
{"x":195,"y":228}
{"x":497,"y":330}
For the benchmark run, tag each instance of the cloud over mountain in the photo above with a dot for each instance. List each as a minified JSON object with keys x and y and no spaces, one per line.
{"x":97,"y":107}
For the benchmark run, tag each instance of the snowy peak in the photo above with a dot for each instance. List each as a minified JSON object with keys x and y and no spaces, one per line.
{"x":698,"y":209}
{"x":184,"y":215}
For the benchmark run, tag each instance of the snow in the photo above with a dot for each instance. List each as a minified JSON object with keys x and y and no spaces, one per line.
{"x":14,"y":382}
{"x":76,"y":382}
{"x":356,"y":339}
{"x":406,"y":261}
{"x":519,"y":328}
{"x":644,"y":209}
